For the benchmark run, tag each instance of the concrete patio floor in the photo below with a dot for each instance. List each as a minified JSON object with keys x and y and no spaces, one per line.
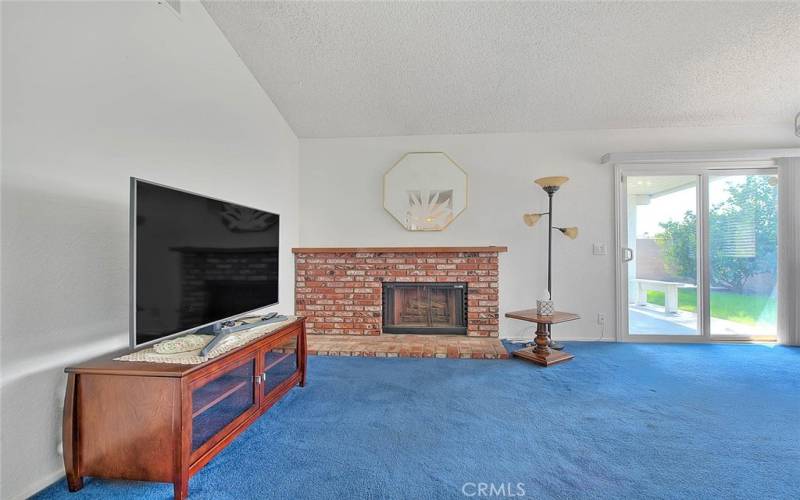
{"x":651,"y":320}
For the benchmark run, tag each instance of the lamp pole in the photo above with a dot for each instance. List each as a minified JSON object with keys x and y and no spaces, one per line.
{"x":550,"y":243}
{"x":550,"y":190}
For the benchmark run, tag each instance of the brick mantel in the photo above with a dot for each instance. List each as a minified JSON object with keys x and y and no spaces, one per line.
{"x":309,"y":250}
{"x":339,"y":289}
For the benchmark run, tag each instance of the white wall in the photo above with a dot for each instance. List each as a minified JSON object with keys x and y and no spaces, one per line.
{"x":340,"y":189}
{"x":94,"y":93}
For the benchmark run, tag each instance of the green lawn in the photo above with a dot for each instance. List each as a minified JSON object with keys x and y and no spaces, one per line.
{"x":747,"y":309}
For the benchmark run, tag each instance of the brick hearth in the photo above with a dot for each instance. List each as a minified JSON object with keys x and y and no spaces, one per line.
{"x":339,"y":289}
{"x":404,"y":346}
{"x":407,"y":346}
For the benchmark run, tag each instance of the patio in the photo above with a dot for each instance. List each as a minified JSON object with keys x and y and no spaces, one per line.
{"x":652,"y":320}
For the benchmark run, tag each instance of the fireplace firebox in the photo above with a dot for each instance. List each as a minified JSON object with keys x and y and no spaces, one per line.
{"x":425,"y":308}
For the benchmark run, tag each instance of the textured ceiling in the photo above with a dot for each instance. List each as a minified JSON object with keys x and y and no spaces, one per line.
{"x":403,"y":68}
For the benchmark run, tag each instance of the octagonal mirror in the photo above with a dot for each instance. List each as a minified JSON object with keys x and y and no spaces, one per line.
{"x":425,"y":191}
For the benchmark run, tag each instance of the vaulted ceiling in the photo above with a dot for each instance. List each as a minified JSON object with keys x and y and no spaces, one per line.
{"x":403,"y":68}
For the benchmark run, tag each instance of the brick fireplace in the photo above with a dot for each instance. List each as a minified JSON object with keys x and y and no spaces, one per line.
{"x":342,"y":290}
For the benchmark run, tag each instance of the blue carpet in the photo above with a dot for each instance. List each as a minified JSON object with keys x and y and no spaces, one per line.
{"x":619,"y":421}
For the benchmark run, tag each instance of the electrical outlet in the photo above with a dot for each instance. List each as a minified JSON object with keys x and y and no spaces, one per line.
{"x":599,"y":249}
{"x":601,"y":319}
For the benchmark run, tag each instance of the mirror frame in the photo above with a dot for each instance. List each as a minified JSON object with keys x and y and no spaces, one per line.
{"x":453,"y":162}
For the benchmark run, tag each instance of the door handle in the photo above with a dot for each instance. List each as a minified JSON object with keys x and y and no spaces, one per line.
{"x":627,"y":254}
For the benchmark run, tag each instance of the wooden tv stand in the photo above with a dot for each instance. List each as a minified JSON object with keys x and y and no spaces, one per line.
{"x":164,"y":422}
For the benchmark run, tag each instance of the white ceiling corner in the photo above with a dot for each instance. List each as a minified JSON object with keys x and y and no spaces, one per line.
{"x":338,"y":69}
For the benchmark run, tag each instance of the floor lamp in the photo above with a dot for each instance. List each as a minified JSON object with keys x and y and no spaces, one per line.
{"x":550,"y":186}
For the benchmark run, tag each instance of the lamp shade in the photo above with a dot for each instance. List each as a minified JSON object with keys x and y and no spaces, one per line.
{"x":569,"y":232}
{"x":531,"y":219}
{"x":554,"y":181}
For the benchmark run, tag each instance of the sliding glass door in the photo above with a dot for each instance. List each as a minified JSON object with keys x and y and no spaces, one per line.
{"x":699,"y":254}
{"x":662,"y":253}
{"x":743,"y":255}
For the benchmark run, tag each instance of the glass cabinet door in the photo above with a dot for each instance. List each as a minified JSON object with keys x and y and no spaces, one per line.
{"x":219,"y":402}
{"x":280,"y":363}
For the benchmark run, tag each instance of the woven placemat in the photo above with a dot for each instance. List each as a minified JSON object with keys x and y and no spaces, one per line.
{"x":230,"y":343}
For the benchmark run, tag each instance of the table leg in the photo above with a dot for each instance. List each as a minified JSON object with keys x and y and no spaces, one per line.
{"x":641,"y":296}
{"x":541,"y":353}
{"x":70,"y":435}
{"x":671,"y":300}
{"x":542,"y":340}
{"x":181,"y":489}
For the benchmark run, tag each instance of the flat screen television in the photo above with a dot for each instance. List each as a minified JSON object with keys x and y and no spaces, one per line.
{"x":196,"y":261}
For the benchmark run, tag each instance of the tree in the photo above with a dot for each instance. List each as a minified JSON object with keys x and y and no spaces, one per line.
{"x":743,"y":235}
{"x":678,"y":246}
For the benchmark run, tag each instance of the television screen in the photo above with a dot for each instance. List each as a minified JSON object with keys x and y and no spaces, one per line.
{"x":197,"y":260}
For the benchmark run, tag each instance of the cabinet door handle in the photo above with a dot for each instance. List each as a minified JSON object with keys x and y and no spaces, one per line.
{"x":264,"y":377}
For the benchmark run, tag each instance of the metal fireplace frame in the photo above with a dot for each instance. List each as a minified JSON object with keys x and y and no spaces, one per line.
{"x":387,"y":308}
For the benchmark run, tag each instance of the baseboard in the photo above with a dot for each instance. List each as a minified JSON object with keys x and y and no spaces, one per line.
{"x":41,"y":484}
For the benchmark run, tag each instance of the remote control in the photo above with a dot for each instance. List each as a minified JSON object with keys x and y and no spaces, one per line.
{"x":221,"y":334}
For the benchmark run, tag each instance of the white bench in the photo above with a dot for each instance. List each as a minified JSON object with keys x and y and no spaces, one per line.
{"x":670,"y":289}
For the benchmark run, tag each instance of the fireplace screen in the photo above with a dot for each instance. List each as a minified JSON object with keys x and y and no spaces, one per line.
{"x":425,"y":308}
